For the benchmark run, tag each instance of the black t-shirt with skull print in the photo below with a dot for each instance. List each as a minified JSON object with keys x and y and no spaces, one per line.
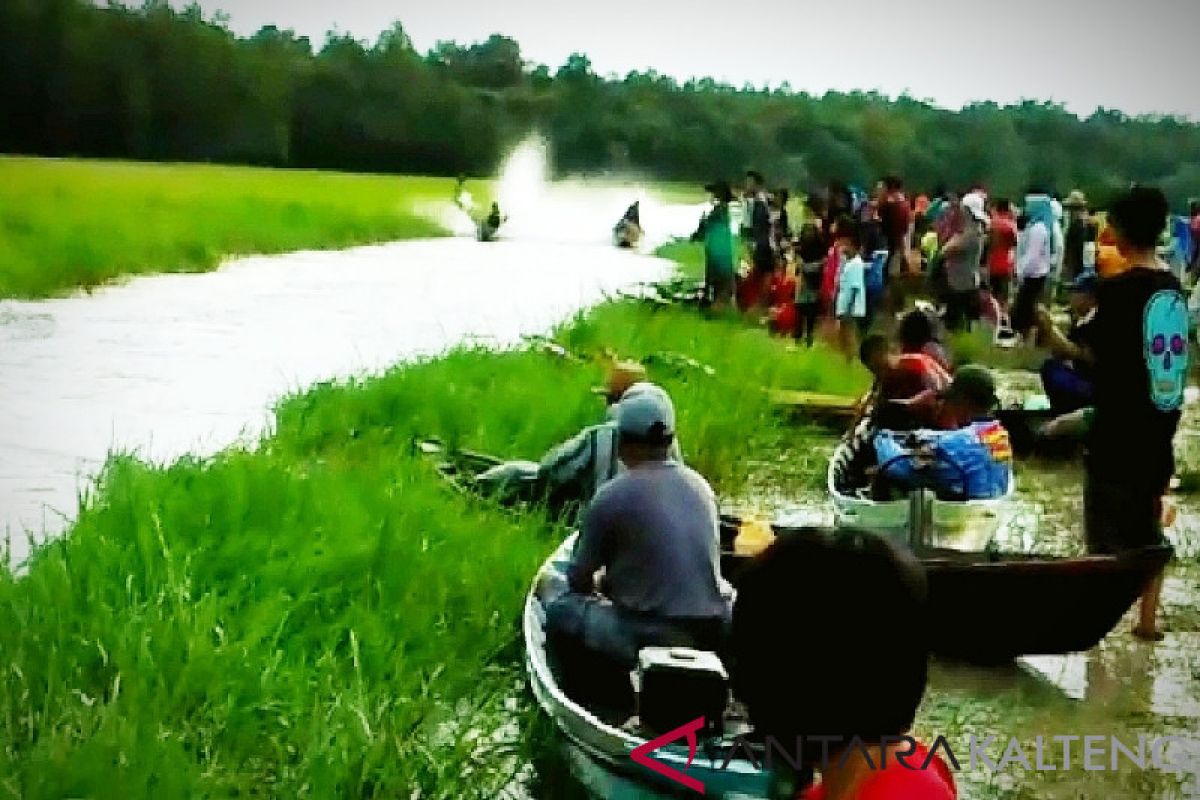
{"x":1140,"y":343}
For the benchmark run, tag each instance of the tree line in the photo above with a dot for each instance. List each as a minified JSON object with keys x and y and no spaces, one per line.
{"x":155,"y":83}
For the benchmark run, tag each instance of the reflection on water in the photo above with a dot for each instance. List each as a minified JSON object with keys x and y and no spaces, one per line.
{"x":174,"y":364}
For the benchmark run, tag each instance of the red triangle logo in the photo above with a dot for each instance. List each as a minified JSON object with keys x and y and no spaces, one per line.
{"x":641,"y":754}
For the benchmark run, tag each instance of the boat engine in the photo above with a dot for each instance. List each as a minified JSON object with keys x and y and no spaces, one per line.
{"x":676,"y":685}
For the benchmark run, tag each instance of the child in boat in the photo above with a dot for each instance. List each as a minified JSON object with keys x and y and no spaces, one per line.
{"x":918,"y":333}
{"x":848,"y":701}
{"x":900,"y":376}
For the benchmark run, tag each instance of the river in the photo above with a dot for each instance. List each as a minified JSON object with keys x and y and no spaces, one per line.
{"x":169,"y":365}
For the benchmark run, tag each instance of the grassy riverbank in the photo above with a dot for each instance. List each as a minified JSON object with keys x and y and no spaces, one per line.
{"x":69,"y":223}
{"x":321,"y":617}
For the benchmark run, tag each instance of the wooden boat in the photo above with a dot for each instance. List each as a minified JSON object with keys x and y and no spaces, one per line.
{"x":985,"y":609}
{"x":960,"y":525}
{"x":830,"y":408}
{"x":601,"y":740}
{"x":627,"y":235}
{"x":991,"y":607}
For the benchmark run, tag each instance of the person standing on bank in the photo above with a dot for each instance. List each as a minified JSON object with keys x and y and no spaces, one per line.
{"x":962,"y":256}
{"x":1140,"y":349}
{"x":720,"y":249}
{"x":1035,"y":259}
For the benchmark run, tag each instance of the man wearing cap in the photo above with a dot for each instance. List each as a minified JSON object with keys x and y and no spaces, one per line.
{"x":1068,"y":374}
{"x":576,"y":469}
{"x":973,"y":453}
{"x":1080,"y":231}
{"x":653,"y":530}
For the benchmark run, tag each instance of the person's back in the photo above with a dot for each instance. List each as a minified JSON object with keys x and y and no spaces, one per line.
{"x":1141,"y":352}
{"x":718,"y":239}
{"x":962,"y":263}
{"x":972,"y":463}
{"x":1002,"y":243}
{"x":909,"y":374}
{"x":655,"y":529}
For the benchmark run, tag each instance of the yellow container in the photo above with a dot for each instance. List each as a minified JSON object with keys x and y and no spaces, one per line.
{"x":754,"y":536}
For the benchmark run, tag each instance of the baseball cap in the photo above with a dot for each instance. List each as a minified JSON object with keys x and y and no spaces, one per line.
{"x":646,"y":414}
{"x":975,"y":203}
{"x":974,"y":384}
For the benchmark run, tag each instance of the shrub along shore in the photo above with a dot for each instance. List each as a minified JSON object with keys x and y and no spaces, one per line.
{"x":321,"y":616}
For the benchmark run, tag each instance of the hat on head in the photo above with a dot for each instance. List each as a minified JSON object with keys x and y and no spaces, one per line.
{"x":720,"y":190}
{"x":973,"y":384}
{"x":646,"y":414}
{"x":621,"y":376}
{"x":976,"y":204}
{"x":1076,"y":199}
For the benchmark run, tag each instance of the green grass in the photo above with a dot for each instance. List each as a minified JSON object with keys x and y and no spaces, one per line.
{"x":321,"y":616}
{"x":69,"y":223}
{"x":689,"y":256}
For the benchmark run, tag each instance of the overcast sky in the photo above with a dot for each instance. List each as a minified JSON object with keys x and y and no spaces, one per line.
{"x":1139,"y":56}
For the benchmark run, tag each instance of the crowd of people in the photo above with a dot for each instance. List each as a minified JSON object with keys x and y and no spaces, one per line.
{"x":646,"y":571}
{"x":852,"y":255}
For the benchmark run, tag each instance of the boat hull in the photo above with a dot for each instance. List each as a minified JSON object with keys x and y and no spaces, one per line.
{"x":607,"y":749}
{"x":963,"y":525}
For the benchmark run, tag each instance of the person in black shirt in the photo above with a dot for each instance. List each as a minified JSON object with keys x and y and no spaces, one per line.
{"x":1139,"y":346}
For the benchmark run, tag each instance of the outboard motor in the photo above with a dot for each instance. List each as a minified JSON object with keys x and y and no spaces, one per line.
{"x":676,"y":685}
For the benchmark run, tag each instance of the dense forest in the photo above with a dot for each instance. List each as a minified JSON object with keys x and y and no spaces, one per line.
{"x":155,"y":83}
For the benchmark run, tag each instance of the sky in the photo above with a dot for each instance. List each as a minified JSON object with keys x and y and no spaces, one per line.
{"x":1134,"y":56}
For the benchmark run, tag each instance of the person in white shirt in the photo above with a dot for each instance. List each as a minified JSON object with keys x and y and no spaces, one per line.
{"x":1035,"y":261}
{"x":850,"y":304}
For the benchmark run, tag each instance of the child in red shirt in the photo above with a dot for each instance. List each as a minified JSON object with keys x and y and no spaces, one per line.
{"x":859,"y":676}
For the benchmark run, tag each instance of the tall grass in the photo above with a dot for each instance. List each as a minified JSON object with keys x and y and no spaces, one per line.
{"x":71,"y":223}
{"x":321,"y":616}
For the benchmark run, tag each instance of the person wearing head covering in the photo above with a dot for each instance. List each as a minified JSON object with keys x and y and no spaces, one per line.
{"x":1080,"y":231}
{"x":970,"y":458}
{"x":1035,"y":260}
{"x":654,"y":531}
{"x":961,"y":257}
{"x":576,"y":469}
{"x":716,"y":232}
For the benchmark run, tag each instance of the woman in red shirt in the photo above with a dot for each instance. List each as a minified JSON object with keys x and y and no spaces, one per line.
{"x":841,"y":672}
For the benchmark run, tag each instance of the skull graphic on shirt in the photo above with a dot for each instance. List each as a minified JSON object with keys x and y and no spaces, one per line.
{"x":1165,"y":331}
